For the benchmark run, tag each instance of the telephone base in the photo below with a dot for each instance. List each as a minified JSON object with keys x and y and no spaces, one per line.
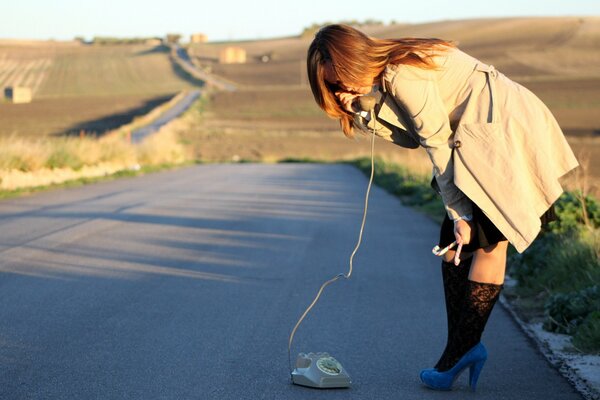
{"x":320,"y":370}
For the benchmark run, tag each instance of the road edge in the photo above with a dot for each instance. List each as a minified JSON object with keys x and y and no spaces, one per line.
{"x":579,"y":383}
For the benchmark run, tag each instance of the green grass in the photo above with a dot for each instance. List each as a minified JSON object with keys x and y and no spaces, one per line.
{"x":559,"y":274}
{"x":413,"y":190}
{"x":587,"y":337}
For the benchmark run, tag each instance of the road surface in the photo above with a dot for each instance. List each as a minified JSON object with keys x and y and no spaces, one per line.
{"x":186,"y":284}
{"x":140,"y":134}
{"x":183,"y":59}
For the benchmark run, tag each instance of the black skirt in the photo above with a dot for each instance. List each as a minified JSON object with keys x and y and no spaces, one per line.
{"x":484,"y":233}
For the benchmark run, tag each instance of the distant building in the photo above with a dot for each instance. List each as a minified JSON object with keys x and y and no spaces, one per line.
{"x":173,"y":38}
{"x":198,"y":38}
{"x":232,"y":55}
{"x":153,"y":42}
{"x":18,"y":94}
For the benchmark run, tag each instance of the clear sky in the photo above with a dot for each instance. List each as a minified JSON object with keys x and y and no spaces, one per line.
{"x":237,"y":19}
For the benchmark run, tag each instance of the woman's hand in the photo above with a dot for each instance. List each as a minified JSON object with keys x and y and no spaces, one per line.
{"x":462,"y":233}
{"x":347,"y":100}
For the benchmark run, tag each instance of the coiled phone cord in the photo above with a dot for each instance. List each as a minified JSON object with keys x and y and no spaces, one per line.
{"x":341,"y":275}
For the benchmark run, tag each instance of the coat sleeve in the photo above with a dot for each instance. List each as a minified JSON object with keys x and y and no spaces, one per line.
{"x":416,"y":90}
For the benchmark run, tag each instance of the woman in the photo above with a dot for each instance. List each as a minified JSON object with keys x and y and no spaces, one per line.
{"x":496,"y":150}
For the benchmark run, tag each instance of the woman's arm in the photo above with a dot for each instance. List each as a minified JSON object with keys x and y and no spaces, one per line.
{"x":416,"y":90}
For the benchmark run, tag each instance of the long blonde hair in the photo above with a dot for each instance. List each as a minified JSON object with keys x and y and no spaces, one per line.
{"x":359,"y":60}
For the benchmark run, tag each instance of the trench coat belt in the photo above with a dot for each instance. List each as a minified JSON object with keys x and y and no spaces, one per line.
{"x":491,"y":74}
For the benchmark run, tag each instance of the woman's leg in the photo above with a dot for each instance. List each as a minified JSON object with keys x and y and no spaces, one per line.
{"x":455,"y":279}
{"x":483,"y":288}
{"x":489,"y":264}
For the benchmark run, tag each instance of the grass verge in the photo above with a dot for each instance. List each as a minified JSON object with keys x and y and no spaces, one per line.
{"x":32,"y":164}
{"x":413,"y":189}
{"x":124,"y":173}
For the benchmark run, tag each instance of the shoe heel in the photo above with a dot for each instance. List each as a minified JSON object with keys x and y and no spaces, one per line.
{"x":474,"y":371}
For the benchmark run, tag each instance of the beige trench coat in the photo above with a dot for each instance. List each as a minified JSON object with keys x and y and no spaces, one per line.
{"x":491,"y":141}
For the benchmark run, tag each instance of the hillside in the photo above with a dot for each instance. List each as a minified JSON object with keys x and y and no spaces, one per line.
{"x":82,"y":87}
{"x":558,"y":58}
{"x":274,"y":114}
{"x":523,"y":48}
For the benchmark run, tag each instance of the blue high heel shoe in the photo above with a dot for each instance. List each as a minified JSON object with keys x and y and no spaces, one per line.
{"x":474,"y":359}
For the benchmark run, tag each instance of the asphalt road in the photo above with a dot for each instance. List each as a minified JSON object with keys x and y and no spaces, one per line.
{"x":186,"y":284}
{"x":187,"y":64}
{"x":140,"y":134}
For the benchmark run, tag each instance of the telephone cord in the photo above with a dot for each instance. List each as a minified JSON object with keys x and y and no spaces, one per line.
{"x":341,"y":275}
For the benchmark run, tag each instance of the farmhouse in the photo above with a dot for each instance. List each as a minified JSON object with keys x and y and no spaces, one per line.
{"x":18,"y":94}
{"x":198,"y":38}
{"x":232,"y":55}
{"x":154,"y":41}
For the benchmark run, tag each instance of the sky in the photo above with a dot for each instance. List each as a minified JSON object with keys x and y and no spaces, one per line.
{"x":249,"y":19}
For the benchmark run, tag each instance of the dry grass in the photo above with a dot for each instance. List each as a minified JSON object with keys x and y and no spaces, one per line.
{"x":587,"y":177}
{"x":164,"y":147}
{"x":29,"y":154}
{"x":30,"y":162}
{"x":263,"y":137}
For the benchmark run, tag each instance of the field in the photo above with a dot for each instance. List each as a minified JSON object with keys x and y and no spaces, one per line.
{"x":273,"y":114}
{"x":78,"y":87}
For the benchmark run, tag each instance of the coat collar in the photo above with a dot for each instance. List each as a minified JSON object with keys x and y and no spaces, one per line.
{"x":387,"y":109}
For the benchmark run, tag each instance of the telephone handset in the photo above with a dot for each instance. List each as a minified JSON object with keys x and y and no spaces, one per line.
{"x":366,"y":103}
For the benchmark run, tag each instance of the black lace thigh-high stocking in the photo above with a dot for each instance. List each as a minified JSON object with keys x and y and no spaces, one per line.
{"x":477,"y":306}
{"x":455,"y":279}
